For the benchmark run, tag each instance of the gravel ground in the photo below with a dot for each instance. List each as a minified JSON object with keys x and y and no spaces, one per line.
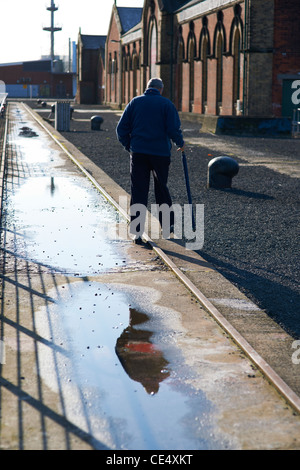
{"x":251,"y":230}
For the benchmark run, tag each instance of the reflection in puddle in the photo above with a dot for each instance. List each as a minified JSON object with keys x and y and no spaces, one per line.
{"x":140,"y":358}
{"x":141,"y":404}
{"x":67,"y":227}
{"x":55,"y":216}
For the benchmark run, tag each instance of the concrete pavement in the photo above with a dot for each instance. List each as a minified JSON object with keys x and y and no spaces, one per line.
{"x":61,"y":366}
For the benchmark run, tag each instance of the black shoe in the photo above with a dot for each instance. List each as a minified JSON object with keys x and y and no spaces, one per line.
{"x":138,"y":241}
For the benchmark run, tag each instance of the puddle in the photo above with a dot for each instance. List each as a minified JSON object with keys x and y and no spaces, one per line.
{"x":67,"y":227}
{"x":111,"y":354}
{"x":55,"y":216}
{"x":36,"y":152}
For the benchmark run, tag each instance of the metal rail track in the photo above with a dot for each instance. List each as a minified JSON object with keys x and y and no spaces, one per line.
{"x":276,"y":381}
{"x":3,"y":162}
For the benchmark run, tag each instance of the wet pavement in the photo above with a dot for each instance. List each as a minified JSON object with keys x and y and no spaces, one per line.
{"x":104,"y":347}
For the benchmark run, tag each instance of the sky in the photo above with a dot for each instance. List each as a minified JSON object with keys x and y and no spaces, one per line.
{"x":21,"y":31}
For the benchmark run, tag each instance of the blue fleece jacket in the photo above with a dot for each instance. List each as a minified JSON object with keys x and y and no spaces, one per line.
{"x":148,"y":124}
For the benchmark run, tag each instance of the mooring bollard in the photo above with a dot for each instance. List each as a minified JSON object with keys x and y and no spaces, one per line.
{"x":221,"y":170}
{"x":96,"y":122}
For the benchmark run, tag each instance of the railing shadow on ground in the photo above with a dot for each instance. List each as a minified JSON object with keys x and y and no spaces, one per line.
{"x":29,"y":413}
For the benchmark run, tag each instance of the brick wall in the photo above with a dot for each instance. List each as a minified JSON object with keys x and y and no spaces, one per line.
{"x":87,"y":86}
{"x":15,"y":74}
{"x":12,"y":74}
{"x":269,"y":50}
{"x":260,"y":85}
{"x":259,"y":52}
{"x":194,"y":28}
{"x":286,"y":59}
{"x":113,"y":91}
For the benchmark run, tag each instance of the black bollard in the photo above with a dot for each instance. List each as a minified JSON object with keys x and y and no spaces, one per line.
{"x":96,"y":122}
{"x":221,"y":170}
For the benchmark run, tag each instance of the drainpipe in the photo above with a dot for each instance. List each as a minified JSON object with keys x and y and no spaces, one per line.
{"x":246,"y":48}
{"x":119,"y":72}
{"x":105,"y":71}
{"x":172,"y":52}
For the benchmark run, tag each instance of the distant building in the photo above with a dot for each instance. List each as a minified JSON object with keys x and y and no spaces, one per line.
{"x":90,"y":68}
{"x":216,"y":57}
{"x":123,"y":55}
{"x":36,"y":78}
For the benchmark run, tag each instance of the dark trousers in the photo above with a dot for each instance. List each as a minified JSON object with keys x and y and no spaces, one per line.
{"x":141,"y":167}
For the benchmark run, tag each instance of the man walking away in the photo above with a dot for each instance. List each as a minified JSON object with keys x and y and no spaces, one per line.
{"x":148,"y":125}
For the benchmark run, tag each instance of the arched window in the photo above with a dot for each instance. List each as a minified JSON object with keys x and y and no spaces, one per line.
{"x":135,"y":64}
{"x":129,"y":63}
{"x":153,"y":50}
{"x":204,"y":48}
{"x":204,"y":54}
{"x":236,"y":67}
{"x":192,"y":71}
{"x":219,"y":57}
{"x":180,"y":59}
{"x":109,"y":75}
{"x":114,"y":70}
{"x":236,"y":34}
{"x":219,"y":49}
{"x":124,"y":72}
{"x":191,"y":54}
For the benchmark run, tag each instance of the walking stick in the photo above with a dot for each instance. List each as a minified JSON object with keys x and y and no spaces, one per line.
{"x":187,"y":182}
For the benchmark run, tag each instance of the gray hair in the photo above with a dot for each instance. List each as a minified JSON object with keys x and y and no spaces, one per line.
{"x":155,"y":83}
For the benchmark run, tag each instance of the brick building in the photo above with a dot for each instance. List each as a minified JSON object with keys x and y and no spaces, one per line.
{"x":216,"y":57}
{"x":90,"y":68}
{"x":123,"y":54}
{"x":36,"y":78}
